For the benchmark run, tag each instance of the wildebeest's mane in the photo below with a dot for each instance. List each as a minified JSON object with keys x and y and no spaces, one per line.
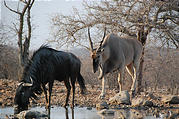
{"x":33,"y":67}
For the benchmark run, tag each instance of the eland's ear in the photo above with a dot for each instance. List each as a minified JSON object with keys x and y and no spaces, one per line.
{"x":102,"y":49}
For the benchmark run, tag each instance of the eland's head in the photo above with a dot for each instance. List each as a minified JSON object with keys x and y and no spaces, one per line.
{"x":23,"y":93}
{"x":96,"y":53}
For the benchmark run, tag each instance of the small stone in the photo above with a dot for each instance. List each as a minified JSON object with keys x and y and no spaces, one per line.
{"x":102,"y":105}
{"x":89,"y":108}
{"x":107,"y":112}
{"x":148,"y":103}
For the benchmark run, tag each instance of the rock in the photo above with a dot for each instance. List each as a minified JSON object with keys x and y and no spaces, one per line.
{"x":31,"y":114}
{"x":148,"y":103}
{"x":106,"y":112}
{"x":174,"y":116}
{"x":151,"y":96}
{"x":137,"y":101}
{"x":102,"y":105}
{"x":136,"y":114}
{"x":171,"y":99}
{"x":89,"y":108}
{"x":120,"y":98}
{"x":141,"y":102}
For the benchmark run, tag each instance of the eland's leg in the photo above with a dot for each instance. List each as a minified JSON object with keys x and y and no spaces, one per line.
{"x":67,"y":84}
{"x":135,"y":68}
{"x":102,"y":95}
{"x":131,"y":70}
{"x":120,"y":78}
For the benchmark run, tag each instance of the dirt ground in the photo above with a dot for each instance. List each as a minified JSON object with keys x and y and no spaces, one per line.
{"x":8,"y":88}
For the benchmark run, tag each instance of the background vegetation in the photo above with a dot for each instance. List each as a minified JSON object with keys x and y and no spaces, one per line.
{"x":155,"y":23}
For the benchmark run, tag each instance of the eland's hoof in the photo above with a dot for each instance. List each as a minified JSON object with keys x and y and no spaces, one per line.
{"x":101,"y":96}
{"x":133,"y":93}
{"x":99,"y":78}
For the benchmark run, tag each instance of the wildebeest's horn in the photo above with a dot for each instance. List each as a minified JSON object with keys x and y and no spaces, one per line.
{"x":31,"y":80}
{"x":28,"y":84}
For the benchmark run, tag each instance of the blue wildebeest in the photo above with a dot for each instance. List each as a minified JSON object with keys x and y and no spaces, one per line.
{"x":45,"y":66}
{"x":113,"y":53}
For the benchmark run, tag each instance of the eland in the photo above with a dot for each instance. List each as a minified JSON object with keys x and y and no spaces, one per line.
{"x":116,"y":53}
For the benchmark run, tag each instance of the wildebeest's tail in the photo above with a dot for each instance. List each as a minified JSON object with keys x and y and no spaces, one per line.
{"x":81,"y":83}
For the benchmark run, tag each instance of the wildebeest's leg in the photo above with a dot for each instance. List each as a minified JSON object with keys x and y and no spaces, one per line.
{"x":66,"y":113}
{"x":45,"y":92}
{"x":49,"y":100}
{"x":67,"y":84}
{"x":73,"y":80}
{"x":102,"y":95}
{"x":72,"y":113}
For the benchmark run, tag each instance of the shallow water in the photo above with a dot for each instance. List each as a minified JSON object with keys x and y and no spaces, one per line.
{"x":84,"y":113}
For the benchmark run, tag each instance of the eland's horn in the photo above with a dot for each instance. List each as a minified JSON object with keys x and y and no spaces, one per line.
{"x":28,"y":84}
{"x":90,"y":41}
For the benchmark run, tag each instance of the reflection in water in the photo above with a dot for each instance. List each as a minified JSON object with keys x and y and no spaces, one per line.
{"x":72,"y":113}
{"x":81,"y":113}
{"x":152,"y":113}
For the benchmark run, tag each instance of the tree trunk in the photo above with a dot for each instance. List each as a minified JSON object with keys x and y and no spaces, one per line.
{"x":142,"y":37}
{"x":24,"y":47}
{"x":140,"y":76}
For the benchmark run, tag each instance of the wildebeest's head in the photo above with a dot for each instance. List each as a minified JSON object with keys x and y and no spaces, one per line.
{"x":21,"y":100}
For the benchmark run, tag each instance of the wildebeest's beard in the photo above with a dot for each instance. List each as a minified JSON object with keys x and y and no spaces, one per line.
{"x":21,"y":99}
{"x":95,"y":64}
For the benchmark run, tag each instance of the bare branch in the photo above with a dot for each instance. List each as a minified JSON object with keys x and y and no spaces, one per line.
{"x":10,"y":8}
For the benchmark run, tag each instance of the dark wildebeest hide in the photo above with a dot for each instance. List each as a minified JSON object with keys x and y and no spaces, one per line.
{"x":45,"y":66}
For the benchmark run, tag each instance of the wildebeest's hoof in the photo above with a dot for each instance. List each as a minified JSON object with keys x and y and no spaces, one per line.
{"x":65,"y":105}
{"x":72,"y":106}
